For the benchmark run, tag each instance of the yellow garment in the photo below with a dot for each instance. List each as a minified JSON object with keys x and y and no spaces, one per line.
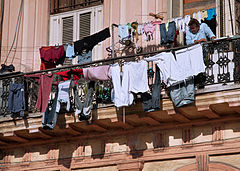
{"x":204,"y":14}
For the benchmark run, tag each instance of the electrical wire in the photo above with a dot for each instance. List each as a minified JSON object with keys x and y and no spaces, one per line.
{"x":19,"y":16}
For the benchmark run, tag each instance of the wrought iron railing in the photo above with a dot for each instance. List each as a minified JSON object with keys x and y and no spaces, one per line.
{"x":222,"y":67}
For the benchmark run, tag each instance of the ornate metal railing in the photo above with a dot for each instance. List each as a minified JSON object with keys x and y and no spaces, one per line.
{"x":222,"y":67}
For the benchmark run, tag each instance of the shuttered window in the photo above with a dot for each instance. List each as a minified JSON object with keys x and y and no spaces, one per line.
{"x":67,"y":29}
{"x":84,"y":25}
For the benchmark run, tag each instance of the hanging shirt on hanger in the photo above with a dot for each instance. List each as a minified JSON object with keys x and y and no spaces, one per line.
{"x":123,"y":31}
{"x":211,"y":13}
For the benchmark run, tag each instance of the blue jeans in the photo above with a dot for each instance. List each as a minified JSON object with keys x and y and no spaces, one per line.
{"x":49,"y":119}
{"x":85,"y":57}
{"x":183,"y":93}
{"x":167,"y":36}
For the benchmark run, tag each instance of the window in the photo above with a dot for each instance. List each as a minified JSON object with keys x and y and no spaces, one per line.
{"x":72,"y":26}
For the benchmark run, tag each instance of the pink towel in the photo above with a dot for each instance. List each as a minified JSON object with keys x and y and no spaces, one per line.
{"x":97,"y":73}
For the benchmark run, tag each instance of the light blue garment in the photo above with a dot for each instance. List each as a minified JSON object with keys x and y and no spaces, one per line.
{"x":183,"y":94}
{"x":203,"y":33}
{"x":211,"y":13}
{"x":123,"y":31}
{"x":70,"y":52}
{"x":85,"y":57}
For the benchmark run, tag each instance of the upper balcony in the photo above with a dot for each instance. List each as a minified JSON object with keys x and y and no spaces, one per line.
{"x":218,"y":101}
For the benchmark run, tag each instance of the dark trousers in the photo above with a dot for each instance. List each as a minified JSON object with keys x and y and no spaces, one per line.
{"x":152,"y":102}
{"x":49,"y":119}
{"x":167,"y":36}
{"x":16,"y":99}
{"x":84,"y":108}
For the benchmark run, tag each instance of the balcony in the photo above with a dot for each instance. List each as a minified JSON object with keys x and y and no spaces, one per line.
{"x":218,"y":101}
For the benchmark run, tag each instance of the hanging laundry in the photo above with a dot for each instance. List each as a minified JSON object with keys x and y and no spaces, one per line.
{"x":97,"y":73}
{"x":187,"y":18}
{"x":204,"y":14}
{"x":16,"y":99}
{"x":70,"y":52}
{"x":168,"y":67}
{"x":85,"y":57}
{"x":63,"y":95}
{"x":151,"y":102}
{"x":199,"y":16}
{"x":182,"y":93}
{"x":138,"y":78}
{"x":190,"y":61}
{"x":49,"y":118}
{"x":140,"y":29}
{"x":51,"y":56}
{"x":45,"y":85}
{"x":122,"y":96}
{"x":211,"y":13}
{"x":88,"y":43}
{"x":178,"y":25}
{"x":83,"y":109}
{"x":149,"y":29}
{"x":211,"y":20}
{"x":134,"y":25}
{"x":194,"y":15}
{"x":123,"y":31}
{"x":66,"y":75}
{"x":167,"y":36}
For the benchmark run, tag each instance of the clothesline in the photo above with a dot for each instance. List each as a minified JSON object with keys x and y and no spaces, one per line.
{"x":53,"y":70}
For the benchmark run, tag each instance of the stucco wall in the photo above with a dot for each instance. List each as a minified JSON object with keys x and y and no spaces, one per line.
{"x":33,"y":33}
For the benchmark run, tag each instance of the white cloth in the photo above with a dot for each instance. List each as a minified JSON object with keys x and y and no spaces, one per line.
{"x":122,"y":96}
{"x":199,"y":16}
{"x":140,"y":29}
{"x":63,"y":95}
{"x":138,"y":78}
{"x":187,"y":18}
{"x":167,"y":65}
{"x":123,"y":31}
{"x":190,"y":61}
{"x":194,"y":15}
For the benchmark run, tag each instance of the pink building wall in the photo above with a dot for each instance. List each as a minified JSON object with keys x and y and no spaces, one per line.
{"x":33,"y":33}
{"x":34,"y":27}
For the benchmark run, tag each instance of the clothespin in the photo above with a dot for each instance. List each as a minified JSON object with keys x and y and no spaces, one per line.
{"x":137,"y":58}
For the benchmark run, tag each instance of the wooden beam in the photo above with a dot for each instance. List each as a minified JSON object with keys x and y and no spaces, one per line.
{"x":177,"y":116}
{"x":39,"y":133}
{"x":235,"y":106}
{"x":46,"y":132}
{"x":11,"y":135}
{"x":148,"y":119}
{"x":134,"y":120}
{"x":207,"y":111}
{"x":189,"y":111}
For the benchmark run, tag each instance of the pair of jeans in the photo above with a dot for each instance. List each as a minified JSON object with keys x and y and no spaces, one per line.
{"x":16,"y":99}
{"x":183,"y":93}
{"x":49,"y":119}
{"x":167,"y":36}
{"x":85,"y":57}
{"x":83,"y":109}
{"x":152,"y":102}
